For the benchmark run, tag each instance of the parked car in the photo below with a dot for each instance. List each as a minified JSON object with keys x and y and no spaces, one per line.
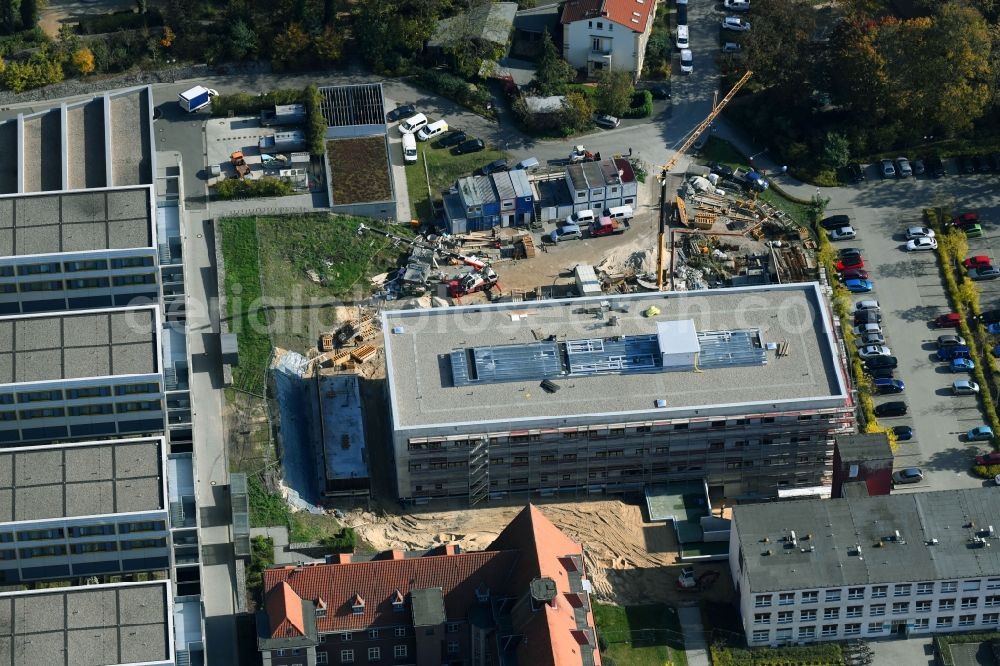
{"x":736,"y":5}
{"x":889,"y":409}
{"x":871,"y":351}
{"x":879,"y":373}
{"x":903,"y":167}
{"x":977,"y":164}
{"x":962,"y":365}
{"x":735,"y":23}
{"x":991,"y":458}
{"x":908,"y":475}
{"x":682,"y":13}
{"x":835,"y":222}
{"x":965,"y":219}
{"x":973,"y":231}
{"x":953,"y":352}
{"x":565,"y":233}
{"x":859,"y":286}
{"x":725,"y":171}
{"x":853,"y":274}
{"x":659,"y":90}
{"x":870,"y":339}
{"x":413,"y":123}
{"x":453,"y":139}
{"x":935,"y":166}
{"x":919,"y":168}
{"x":889,"y":386}
{"x":950,"y":320}
{"x":731,"y":47}
{"x":866,"y":304}
{"x":843,"y":233}
{"x":867,"y":317}
{"x":494,"y":167}
{"x":865,"y":329}
{"x":687,"y":61}
{"x":882,"y":362}
{"x":993,"y":328}
{"x":856,"y":172}
{"x":903,"y":433}
{"x":977,"y":261}
{"x":919,"y":232}
{"x":965,"y":164}
{"x":921,"y":245}
{"x":964,"y":387}
{"x":950,"y":340}
{"x":606,"y":121}
{"x":989,"y":317}
{"x":852,"y":262}
{"x":846,"y":252}
{"x":979,"y":434}
{"x":469,"y":146}
{"x":888,"y":170}
{"x":984,"y":273}
{"x":404,"y":111}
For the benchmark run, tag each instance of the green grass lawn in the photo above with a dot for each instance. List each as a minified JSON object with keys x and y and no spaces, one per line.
{"x":639,"y":635}
{"x":444,"y":169}
{"x":718,"y":150}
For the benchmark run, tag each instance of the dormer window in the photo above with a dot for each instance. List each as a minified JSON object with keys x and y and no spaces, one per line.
{"x":482,"y":593}
{"x":358,"y":605}
{"x":398,"y":602}
{"x":320,"y":608}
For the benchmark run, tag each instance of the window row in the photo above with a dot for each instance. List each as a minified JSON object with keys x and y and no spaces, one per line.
{"x":81,"y":283}
{"x":82,"y":410}
{"x":84,"y":531}
{"x":854,"y":628}
{"x":875,"y":592}
{"x":374,"y":654}
{"x":60,"y":550}
{"x":76,"y":266}
{"x":52,"y":395}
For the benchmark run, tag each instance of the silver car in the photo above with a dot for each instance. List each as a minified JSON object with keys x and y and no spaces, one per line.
{"x":903,"y":167}
{"x":964,"y":387}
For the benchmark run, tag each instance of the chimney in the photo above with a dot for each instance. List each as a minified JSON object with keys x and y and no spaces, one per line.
{"x":450,"y":549}
{"x":397,"y":555}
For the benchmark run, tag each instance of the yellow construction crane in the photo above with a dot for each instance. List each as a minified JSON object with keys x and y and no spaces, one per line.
{"x":716,"y":110}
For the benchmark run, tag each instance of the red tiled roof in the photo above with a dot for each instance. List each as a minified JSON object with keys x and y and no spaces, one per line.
{"x":284,"y":612}
{"x":633,"y":14}
{"x":377,"y":582}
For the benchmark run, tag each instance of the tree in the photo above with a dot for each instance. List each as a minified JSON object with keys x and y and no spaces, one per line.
{"x":552,"y":73}
{"x":779,"y":48}
{"x":242,"y":40}
{"x":10,"y":12}
{"x":142,"y":6}
{"x":290,"y":46}
{"x":83,"y":60}
{"x":29,"y":14}
{"x":578,"y":113}
{"x":329,"y":45}
{"x":614,"y":92}
{"x":836,"y":150}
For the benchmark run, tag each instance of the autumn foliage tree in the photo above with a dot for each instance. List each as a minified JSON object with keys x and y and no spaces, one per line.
{"x":83,"y":60}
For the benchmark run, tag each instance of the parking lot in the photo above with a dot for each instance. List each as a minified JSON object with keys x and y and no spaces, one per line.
{"x":910,"y":291}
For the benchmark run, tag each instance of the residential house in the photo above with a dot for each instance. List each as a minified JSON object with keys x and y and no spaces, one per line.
{"x":523,"y":600}
{"x":600,"y":35}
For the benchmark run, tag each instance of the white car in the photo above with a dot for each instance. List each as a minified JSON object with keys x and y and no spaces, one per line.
{"x":871,"y":351}
{"x":920,"y":244}
{"x":735,"y":23}
{"x":843,"y":233}
{"x":867,"y":304}
{"x":731,"y":47}
{"x":687,"y":61}
{"x":919,"y":232}
{"x":737,"y":5}
{"x":863,"y":329}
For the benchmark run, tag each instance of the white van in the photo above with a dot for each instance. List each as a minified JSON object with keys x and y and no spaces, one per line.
{"x":687,"y":61}
{"x":619,"y":213}
{"x":581,"y":218}
{"x":409,"y":149}
{"x":436,"y":128}
{"x":412,"y":124}
{"x":682,"y":37}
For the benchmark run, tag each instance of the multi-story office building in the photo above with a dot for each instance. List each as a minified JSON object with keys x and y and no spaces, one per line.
{"x":524,"y":600}
{"x":104,"y":625}
{"x":77,"y":250}
{"x":859,"y":566}
{"x":75,"y":510}
{"x":744,"y":388}
{"x":80,"y":374}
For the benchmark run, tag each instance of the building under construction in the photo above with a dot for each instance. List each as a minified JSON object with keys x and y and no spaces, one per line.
{"x":744,"y":388}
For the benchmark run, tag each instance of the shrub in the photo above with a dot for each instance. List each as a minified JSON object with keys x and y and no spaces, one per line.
{"x":642,"y":105}
{"x":238,"y":188}
{"x":473,"y":97}
{"x":344,"y":542}
{"x":315,"y":122}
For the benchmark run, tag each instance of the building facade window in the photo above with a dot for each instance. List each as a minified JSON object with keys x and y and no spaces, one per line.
{"x":966,"y":620}
{"x":852,"y":629}
{"x":810,"y":597}
{"x":347,"y":656}
{"x":399,"y":651}
{"x":879,"y":591}
{"x":922,"y":624}
{"x":762,"y":601}
{"x":452,"y":647}
{"x":991,"y":618}
{"x":855,"y":611}
{"x":784,"y":634}
{"x":970,"y":602}
{"x":808,"y":615}
{"x":373,"y":634}
{"x":786,"y":617}
{"x":374,"y":653}
{"x":876,"y":610}
{"x":831,"y":613}
{"x":855,"y":593}
{"x":875,"y":627}
{"x":946,"y":604}
{"x":945,"y":621}
{"x":902,"y":590}
{"x":400,"y":632}
{"x":807,"y":632}
{"x":762,"y":618}
{"x":761,"y":636}
{"x":832,"y":596}
{"x":949,"y":586}
{"x":786,"y":598}
{"x":322,"y":658}
{"x":923,"y":606}
{"x":829,"y":630}
{"x":900,"y":607}
{"x":925,"y":588}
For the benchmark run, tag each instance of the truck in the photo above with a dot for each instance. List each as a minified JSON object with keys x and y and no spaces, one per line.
{"x":752,"y":180}
{"x":240,"y":164}
{"x":605,"y":226}
{"x":196,"y":98}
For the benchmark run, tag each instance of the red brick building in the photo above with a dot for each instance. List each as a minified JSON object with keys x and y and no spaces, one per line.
{"x":523,"y":601}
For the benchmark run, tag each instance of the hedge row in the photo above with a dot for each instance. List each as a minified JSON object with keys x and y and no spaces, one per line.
{"x":243,"y":104}
{"x":239,"y":188}
{"x":474,"y":97}
{"x":824,"y":654}
{"x":965,"y":299}
{"x":315,"y":121}
{"x":641,"y":106}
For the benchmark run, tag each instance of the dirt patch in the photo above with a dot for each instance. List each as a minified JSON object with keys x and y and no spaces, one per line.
{"x":359,"y":170}
{"x":629,"y":561}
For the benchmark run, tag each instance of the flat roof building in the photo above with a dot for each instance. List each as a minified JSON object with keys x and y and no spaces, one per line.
{"x":77,"y":250}
{"x":75,"y":510}
{"x":863,"y":566}
{"x":82,"y":374}
{"x":606,"y":394}
{"x":101,"y":625}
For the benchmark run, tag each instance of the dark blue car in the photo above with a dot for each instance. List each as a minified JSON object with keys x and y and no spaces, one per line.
{"x":903,"y":433}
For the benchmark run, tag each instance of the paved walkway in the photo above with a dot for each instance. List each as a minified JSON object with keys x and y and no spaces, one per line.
{"x":694,"y":635}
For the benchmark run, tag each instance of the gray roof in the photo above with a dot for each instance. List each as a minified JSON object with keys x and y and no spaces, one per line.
{"x":551,"y":104}
{"x":421,"y":383}
{"x":101,"y":625}
{"x":476,"y":190}
{"x":539,"y":19}
{"x":71,"y":346}
{"x":834,"y":528}
{"x":76,"y":222}
{"x":865,"y":446}
{"x":522,"y":186}
{"x":486,"y":22}
{"x":577,"y":177}
{"x":88,"y":479}
{"x":504,"y":185}
{"x":428,"y":607}
{"x":343,"y":427}
{"x":346,"y":106}
{"x":594,"y":174}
